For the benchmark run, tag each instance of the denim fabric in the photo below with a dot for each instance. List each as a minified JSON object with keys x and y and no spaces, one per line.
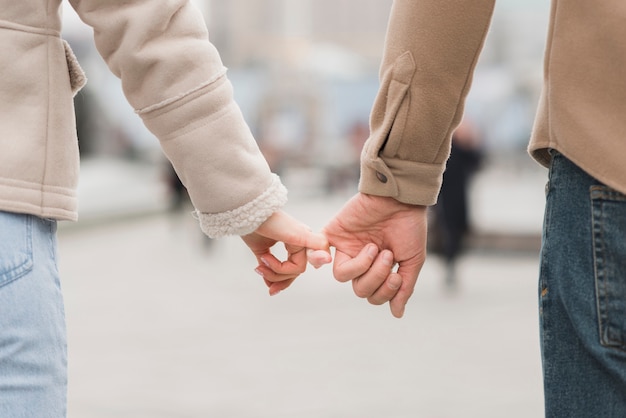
{"x":33,"y":355}
{"x":582,"y":294}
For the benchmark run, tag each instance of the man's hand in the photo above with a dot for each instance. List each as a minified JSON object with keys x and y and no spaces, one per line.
{"x":297,"y":238}
{"x":371,"y":234}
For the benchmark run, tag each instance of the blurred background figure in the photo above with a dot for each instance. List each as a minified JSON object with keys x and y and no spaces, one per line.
{"x":179,"y":198}
{"x":344,"y":177}
{"x":450,"y":217}
{"x":180,"y":208}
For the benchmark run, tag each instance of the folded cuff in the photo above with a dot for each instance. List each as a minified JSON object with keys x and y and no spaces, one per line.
{"x":247,"y":218}
{"x":408,"y":182}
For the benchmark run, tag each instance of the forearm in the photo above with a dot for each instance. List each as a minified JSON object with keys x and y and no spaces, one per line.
{"x":218,"y":160}
{"x":430,"y":53}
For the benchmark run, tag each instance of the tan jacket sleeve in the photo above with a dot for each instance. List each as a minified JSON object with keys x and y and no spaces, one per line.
{"x":430,"y":53}
{"x":174,"y":78}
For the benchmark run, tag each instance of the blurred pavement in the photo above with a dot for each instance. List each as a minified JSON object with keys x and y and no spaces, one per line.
{"x":163,"y":323}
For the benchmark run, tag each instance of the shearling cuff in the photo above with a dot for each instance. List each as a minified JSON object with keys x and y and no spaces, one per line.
{"x":78,"y":79}
{"x":247,"y":218}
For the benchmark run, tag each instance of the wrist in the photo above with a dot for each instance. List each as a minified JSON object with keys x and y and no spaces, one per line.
{"x":389,"y":202}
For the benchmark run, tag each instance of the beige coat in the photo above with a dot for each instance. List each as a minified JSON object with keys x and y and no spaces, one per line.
{"x":430,"y":54}
{"x":171,"y":74}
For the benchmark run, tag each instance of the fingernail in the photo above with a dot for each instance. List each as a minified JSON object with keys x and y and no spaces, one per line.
{"x":264,"y":261}
{"x":259,"y":272}
{"x":372,"y":250}
{"x":388,"y":257}
{"x":274,"y":292}
{"x":394,"y":282}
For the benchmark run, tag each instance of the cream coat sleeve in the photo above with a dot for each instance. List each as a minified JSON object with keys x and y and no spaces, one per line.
{"x":430,"y":53}
{"x":174,"y":78}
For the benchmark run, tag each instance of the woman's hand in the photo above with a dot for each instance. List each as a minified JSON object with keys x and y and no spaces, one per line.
{"x":297,"y":237}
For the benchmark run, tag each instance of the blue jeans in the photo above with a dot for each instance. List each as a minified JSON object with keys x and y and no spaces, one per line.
{"x":33,"y":355}
{"x":582,"y":294}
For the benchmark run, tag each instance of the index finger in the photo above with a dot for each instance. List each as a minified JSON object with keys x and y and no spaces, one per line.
{"x":346,"y":268}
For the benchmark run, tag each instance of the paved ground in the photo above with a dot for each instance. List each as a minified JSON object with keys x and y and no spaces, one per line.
{"x":161,"y":325}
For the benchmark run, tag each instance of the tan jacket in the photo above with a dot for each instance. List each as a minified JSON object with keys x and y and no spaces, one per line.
{"x":430,"y":54}
{"x":171,"y":74}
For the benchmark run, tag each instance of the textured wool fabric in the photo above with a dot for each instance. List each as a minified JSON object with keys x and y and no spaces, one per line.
{"x":247,"y":218}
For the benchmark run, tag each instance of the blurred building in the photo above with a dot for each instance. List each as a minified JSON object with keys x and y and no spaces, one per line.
{"x":329,"y":39}
{"x":306,"y":73}
{"x":295,"y":32}
{"x":508,"y":78}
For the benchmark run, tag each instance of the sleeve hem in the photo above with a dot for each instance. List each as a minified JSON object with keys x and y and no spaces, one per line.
{"x":406,"y":181}
{"x":247,"y":218}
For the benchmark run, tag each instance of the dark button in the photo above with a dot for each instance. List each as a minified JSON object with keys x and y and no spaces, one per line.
{"x":381,"y":177}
